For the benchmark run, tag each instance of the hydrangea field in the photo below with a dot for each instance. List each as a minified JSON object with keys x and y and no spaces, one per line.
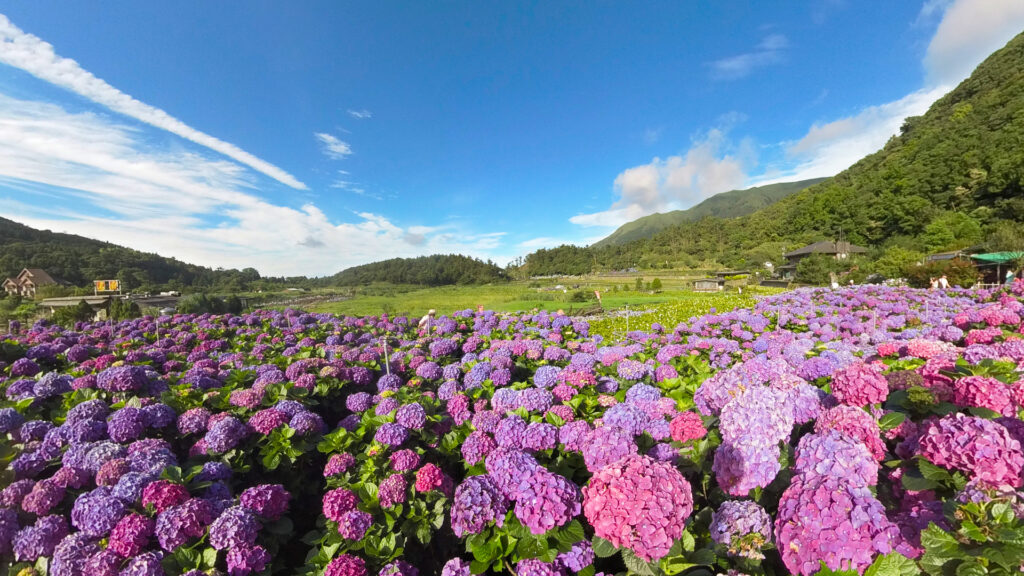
{"x":866,"y":430}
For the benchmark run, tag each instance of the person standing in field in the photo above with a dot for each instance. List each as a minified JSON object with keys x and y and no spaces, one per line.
{"x":1010,"y":275}
{"x":427,"y":320}
{"x":944,"y":282}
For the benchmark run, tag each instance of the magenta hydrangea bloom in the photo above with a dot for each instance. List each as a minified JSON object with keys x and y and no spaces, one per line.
{"x":163,"y":494}
{"x":346,"y":565}
{"x":428,"y":478}
{"x":456,"y":567}
{"x":131,"y":535}
{"x":856,"y":424}
{"x":743,"y":527}
{"x":984,"y":392}
{"x":640,"y":504}
{"x":859,"y":384}
{"x":687,"y":426}
{"x":392,"y":490}
{"x":404,"y":460}
{"x":981,"y":447}
{"x":826,"y":519}
{"x":338,"y":464}
{"x":337,"y":502}
{"x":835,"y":454}
{"x":266,"y":420}
{"x":267,"y":500}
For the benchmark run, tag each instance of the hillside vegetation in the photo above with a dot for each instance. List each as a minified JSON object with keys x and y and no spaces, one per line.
{"x":436,"y":270}
{"x":951,"y":178}
{"x":731,"y":204}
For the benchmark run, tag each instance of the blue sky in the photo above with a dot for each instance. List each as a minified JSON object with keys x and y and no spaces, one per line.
{"x":305,"y":140}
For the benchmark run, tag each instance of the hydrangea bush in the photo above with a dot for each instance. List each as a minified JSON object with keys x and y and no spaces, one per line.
{"x":867,"y":430}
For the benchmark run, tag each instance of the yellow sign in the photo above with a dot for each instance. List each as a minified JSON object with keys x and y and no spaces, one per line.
{"x":107,"y":285}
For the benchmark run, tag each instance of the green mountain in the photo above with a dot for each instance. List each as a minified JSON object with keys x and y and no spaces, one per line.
{"x":731,"y":204}
{"x":951,"y":178}
{"x":436,"y":270}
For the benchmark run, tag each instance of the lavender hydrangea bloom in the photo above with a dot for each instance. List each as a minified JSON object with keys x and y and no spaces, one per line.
{"x":10,"y":420}
{"x":52,"y":384}
{"x":627,"y":416}
{"x":145,"y":564}
{"x":835,"y":454}
{"x":547,"y":501}
{"x":743,"y":527}
{"x":411,"y":416}
{"x":71,"y":555}
{"x":510,"y":431}
{"x":741,"y":468}
{"x":577,"y":558}
{"x":359,"y":402}
{"x":546,"y":376}
{"x":122,"y":378}
{"x":97,"y":512}
{"x":158,"y":415}
{"x":456,"y":567}
{"x":758,"y":415}
{"x":40,"y":539}
{"x":391,"y":434}
{"x":510,"y":470}
{"x":308,"y":423}
{"x":8,"y":528}
{"x":477,"y":503}
{"x":126,"y":424}
{"x":225,"y":434}
{"x":606,"y":445}
{"x":236,"y":526}
{"x":539,"y":436}
{"x":193,"y":421}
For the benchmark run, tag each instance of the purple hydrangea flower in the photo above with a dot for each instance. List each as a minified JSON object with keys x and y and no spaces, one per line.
{"x":236,"y":526}
{"x":833,"y":453}
{"x":391,"y":434}
{"x":606,"y":445}
{"x":826,"y":519}
{"x":743,"y":527}
{"x":547,"y":501}
{"x":225,"y":434}
{"x":40,"y":539}
{"x":97,"y":512}
{"x":477,"y":503}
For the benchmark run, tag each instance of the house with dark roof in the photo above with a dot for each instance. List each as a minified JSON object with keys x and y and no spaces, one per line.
{"x":28,"y":282}
{"x":841,"y":250}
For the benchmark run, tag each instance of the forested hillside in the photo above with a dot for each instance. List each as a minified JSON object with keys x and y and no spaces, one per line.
{"x":731,"y":204}
{"x":79,"y":261}
{"x":436,"y":270}
{"x":951,"y":178}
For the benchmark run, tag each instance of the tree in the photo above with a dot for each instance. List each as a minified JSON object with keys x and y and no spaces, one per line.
{"x":656,"y":284}
{"x":895,"y":260}
{"x":80,"y":312}
{"x":639,"y":284}
{"x":816,"y":269}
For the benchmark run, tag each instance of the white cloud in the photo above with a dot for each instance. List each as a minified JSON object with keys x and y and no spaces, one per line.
{"x":31,"y":54}
{"x":333,"y":147}
{"x":829,"y":148}
{"x":970,"y":30}
{"x":769,"y":51}
{"x":360,"y":114}
{"x":162,"y":200}
{"x":675,"y":182}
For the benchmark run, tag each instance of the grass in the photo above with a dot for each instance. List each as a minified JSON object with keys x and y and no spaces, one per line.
{"x":667,"y":307}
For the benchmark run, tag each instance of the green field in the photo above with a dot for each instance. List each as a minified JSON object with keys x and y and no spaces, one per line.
{"x":667,"y":307}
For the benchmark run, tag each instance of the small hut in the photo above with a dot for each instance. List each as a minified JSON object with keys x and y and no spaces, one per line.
{"x":708,"y":285}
